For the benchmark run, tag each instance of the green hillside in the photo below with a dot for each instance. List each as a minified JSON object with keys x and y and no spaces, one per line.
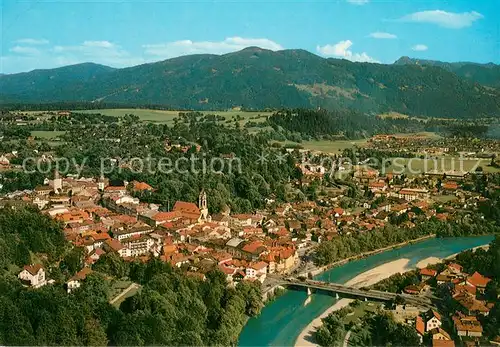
{"x":486,"y":74}
{"x":256,"y":79}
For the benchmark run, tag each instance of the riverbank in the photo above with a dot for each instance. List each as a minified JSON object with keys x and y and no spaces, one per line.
{"x":282,"y":320}
{"x":319,"y":270}
{"x":364,"y":279}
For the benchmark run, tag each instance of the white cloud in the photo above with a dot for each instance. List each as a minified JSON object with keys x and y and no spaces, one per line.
{"x":101,"y":44}
{"x":185,"y":47}
{"x":420,"y":48}
{"x":102,"y":52}
{"x":25,"y":50}
{"x":26,"y":58}
{"x":358,"y":2}
{"x":33,"y":41}
{"x":382,"y":35}
{"x":445,"y":19}
{"x":341,"y":50}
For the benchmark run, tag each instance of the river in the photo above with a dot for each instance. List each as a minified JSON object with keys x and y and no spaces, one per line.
{"x":281,"y":321}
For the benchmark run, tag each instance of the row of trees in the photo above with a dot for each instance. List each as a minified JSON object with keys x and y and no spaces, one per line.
{"x":354,"y":244}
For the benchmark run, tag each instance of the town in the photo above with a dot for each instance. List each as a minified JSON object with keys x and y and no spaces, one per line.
{"x":113,"y":222}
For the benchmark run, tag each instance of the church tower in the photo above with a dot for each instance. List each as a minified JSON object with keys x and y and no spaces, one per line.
{"x":203,"y":205}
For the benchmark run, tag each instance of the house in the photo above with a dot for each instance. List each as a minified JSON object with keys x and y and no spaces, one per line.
{"x":257,"y":270}
{"x":138,"y":245}
{"x":34,"y":275}
{"x":118,"y":190}
{"x":432,"y":320}
{"x":443,"y":343}
{"x":450,"y":186}
{"x":95,"y":255}
{"x":426,"y":274}
{"x":228,"y":271}
{"x":113,"y":245}
{"x":410,"y":194}
{"x":4,"y":162}
{"x":163,"y":217}
{"x":253,"y":250}
{"x":242,"y":220}
{"x":141,"y":187}
{"x":420,"y":327}
{"x":470,"y":305}
{"x":338,"y":211}
{"x":74,"y":282}
{"x":440,"y":334}
{"x":416,"y":289}
{"x":467,"y":325}
{"x":479,"y":281}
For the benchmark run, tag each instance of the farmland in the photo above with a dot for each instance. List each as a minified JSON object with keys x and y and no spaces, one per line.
{"x":167,"y":117}
{"x":47,"y":134}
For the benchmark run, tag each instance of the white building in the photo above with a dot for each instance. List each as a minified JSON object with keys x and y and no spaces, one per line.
{"x":34,"y":275}
{"x":75,"y":281}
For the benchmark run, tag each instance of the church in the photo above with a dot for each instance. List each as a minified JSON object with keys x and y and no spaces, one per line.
{"x":190,"y":211}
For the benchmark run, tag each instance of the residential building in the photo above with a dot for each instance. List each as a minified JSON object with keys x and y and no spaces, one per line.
{"x":432,"y":320}
{"x":33,"y":275}
{"x":75,"y":281}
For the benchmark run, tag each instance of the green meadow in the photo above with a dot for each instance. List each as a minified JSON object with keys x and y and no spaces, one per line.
{"x":167,"y":117}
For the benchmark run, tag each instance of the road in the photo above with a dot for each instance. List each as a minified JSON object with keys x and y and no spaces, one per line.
{"x":125,"y":292}
{"x":346,"y":338}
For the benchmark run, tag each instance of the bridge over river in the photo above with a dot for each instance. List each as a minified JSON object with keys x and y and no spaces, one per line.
{"x":343,"y":290}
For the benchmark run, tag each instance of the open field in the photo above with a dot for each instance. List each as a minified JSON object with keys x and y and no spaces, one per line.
{"x":417,"y":166}
{"x":167,"y":117}
{"x":47,"y":134}
{"x":335,"y":147}
{"x":428,"y":134}
{"x":326,"y":146}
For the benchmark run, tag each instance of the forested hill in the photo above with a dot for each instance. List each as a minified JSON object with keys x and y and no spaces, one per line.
{"x":256,"y":79}
{"x":486,"y":74}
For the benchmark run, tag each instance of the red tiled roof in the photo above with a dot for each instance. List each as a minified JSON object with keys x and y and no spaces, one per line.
{"x":259,"y":265}
{"x":420,"y":326}
{"x":33,"y":269}
{"x":478,"y":280}
{"x":338,"y":210}
{"x":141,"y":186}
{"x":114,"y":188}
{"x":455,"y":266}
{"x":187,"y":209}
{"x":82,"y":274}
{"x":443,"y":343}
{"x":114,"y":244}
{"x":428,"y":272}
{"x":435,"y":314}
{"x":254,"y":247}
{"x":166,"y":216}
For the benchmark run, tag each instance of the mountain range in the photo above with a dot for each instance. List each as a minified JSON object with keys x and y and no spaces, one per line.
{"x":486,"y":74}
{"x":256,"y":78}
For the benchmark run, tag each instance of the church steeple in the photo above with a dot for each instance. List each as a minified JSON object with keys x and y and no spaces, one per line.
{"x":203,"y":205}
{"x":202,"y":200}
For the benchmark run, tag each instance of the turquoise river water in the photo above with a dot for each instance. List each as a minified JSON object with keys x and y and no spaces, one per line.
{"x":282,"y":320}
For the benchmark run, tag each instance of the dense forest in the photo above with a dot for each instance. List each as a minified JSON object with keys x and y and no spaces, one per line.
{"x":226,"y":165}
{"x":171,"y":308}
{"x":256,"y":79}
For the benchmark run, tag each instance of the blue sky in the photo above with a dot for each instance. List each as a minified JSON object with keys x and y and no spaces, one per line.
{"x":120,"y":33}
